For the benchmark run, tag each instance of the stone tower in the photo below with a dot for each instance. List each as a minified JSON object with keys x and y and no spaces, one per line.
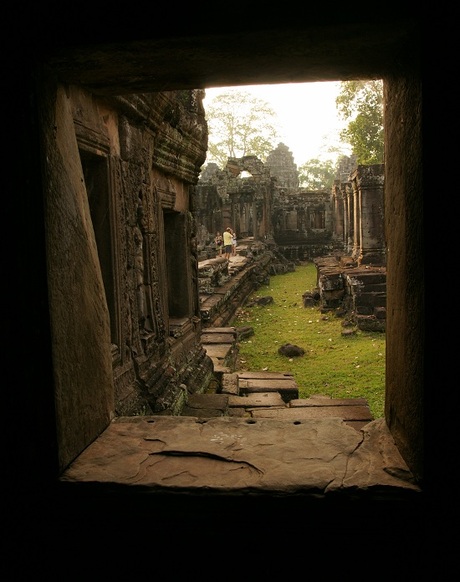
{"x":281,"y":164}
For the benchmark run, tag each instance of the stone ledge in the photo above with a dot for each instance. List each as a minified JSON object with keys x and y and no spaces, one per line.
{"x":240,"y":455}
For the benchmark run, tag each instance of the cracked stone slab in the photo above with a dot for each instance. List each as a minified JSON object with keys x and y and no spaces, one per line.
{"x":240,"y":455}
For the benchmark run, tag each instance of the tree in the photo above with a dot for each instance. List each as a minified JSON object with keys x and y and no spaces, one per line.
{"x":361,"y":102}
{"x":239,"y":125}
{"x":317,"y":175}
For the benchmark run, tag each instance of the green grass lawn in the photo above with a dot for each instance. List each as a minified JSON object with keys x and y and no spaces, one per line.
{"x":333,"y":365}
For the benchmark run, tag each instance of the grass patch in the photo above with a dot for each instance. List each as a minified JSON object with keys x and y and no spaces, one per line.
{"x":334,"y":365}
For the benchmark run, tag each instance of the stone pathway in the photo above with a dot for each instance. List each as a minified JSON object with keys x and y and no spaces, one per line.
{"x":254,"y":402}
{"x":264,"y":394}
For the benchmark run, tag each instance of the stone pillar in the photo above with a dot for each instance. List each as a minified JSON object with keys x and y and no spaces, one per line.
{"x":346,"y":219}
{"x":368,"y":182}
{"x":348,"y":200}
{"x":338,"y":216}
{"x":356,"y":249}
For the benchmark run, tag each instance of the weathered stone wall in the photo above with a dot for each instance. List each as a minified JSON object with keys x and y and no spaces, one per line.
{"x":303,"y":224}
{"x":122,"y":260}
{"x":406,"y":383}
{"x":242,"y":203}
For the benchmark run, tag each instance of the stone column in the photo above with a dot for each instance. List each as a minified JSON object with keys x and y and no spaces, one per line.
{"x":350,"y":217}
{"x":337,"y":214}
{"x":368,"y":182}
{"x":356,"y":220}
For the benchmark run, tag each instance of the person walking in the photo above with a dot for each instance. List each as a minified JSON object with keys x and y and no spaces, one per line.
{"x":228,"y":238}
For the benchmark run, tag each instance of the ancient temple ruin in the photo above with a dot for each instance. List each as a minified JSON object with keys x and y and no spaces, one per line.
{"x":341,"y":230}
{"x":240,"y":196}
{"x":61,"y":389}
{"x":136,"y":221}
{"x":265,"y":201}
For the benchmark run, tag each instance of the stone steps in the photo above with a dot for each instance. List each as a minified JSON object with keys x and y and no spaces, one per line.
{"x":263,"y":394}
{"x":274,"y":395}
{"x":220,"y":346}
{"x":262,"y":382}
{"x":355,"y":414}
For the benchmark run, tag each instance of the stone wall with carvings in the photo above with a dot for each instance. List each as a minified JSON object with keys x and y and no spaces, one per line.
{"x":122,"y":256}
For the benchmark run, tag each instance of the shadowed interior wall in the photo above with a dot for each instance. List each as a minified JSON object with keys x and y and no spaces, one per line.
{"x":404,"y":394}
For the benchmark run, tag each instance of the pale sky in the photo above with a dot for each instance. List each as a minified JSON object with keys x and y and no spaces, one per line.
{"x":307,"y":117}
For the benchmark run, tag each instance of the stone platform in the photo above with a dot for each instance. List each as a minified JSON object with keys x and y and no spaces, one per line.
{"x":228,"y":455}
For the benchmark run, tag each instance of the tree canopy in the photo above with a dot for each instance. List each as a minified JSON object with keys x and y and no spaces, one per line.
{"x":317,"y":174}
{"x":361,"y":103}
{"x":240,"y":125}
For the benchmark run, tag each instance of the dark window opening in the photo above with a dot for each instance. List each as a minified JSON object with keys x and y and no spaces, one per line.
{"x":317,"y":218}
{"x":96,"y":174}
{"x":178,"y":271}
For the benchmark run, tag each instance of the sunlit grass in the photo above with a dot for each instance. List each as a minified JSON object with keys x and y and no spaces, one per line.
{"x":334,"y":365}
